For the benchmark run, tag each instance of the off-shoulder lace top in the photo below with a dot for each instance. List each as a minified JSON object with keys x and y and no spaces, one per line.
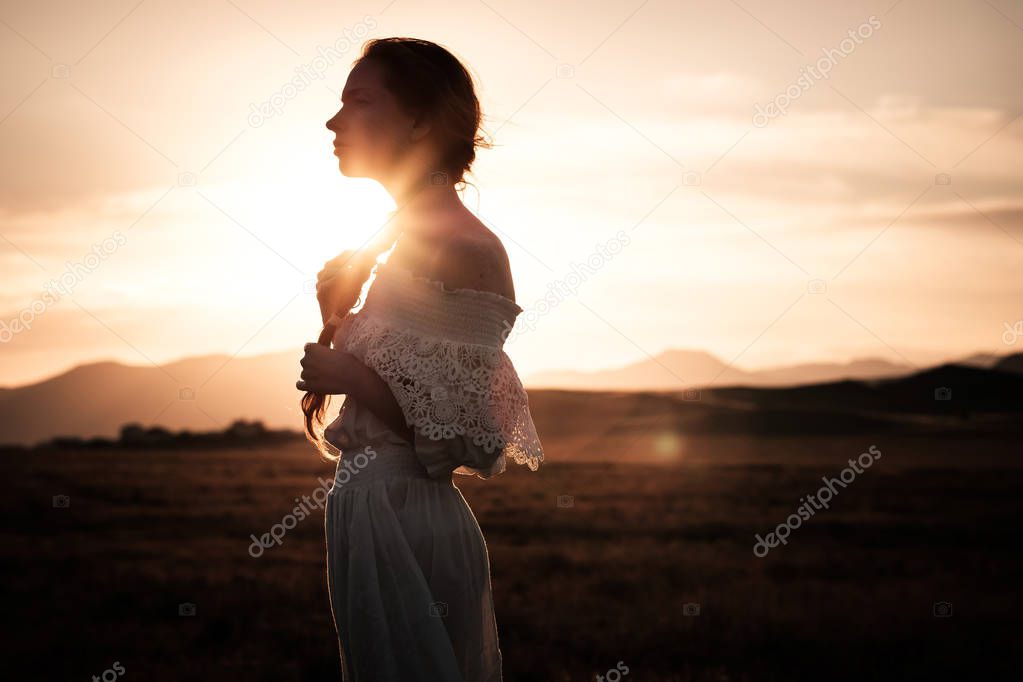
{"x":442,"y":354}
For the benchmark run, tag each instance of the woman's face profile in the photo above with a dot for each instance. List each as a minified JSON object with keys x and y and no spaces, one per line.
{"x":371,"y":133}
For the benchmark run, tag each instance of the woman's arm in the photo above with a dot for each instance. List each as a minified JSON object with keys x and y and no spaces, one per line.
{"x":373,"y":393}
{"x":334,"y":372}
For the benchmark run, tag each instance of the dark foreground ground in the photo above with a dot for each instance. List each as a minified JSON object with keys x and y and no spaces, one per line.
{"x":580,"y":585}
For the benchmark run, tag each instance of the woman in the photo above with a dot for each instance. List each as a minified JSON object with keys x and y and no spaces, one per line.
{"x":429,"y":391}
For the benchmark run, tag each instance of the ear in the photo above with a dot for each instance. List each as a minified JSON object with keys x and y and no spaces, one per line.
{"x":421,"y":127}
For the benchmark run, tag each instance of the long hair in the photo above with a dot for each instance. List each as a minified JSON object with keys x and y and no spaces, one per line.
{"x":426,"y":79}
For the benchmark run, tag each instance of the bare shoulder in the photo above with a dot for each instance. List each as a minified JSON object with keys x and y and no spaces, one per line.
{"x":474,"y":258}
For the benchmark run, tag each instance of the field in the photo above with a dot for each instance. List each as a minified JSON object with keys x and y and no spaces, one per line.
{"x":581,"y":584}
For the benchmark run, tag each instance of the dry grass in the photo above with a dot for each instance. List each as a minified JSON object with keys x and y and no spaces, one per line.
{"x":577,"y":588}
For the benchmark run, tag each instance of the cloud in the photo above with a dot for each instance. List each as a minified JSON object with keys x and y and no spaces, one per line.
{"x":959,"y":214}
{"x":716,"y":91}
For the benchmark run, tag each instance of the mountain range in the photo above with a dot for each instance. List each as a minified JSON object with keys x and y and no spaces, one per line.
{"x":210,"y":392}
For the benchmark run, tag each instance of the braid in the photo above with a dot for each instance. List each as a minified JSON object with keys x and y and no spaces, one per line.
{"x":355,"y":271}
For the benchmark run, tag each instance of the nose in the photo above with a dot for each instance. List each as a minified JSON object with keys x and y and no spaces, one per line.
{"x":332,"y":122}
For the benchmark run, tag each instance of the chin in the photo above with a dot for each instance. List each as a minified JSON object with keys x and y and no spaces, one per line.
{"x":350,"y":168}
{"x":346,"y":168}
{"x":348,"y":172}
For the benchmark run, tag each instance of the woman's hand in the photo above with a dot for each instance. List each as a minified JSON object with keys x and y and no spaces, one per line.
{"x":331,"y":280}
{"x":328,"y":371}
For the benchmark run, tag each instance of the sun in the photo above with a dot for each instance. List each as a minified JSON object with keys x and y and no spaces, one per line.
{"x":316,"y":211}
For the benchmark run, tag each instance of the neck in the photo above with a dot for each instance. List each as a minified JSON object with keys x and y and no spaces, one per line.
{"x":417,"y":200}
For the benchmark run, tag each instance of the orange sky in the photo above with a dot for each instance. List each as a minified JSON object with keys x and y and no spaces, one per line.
{"x":895,"y":178}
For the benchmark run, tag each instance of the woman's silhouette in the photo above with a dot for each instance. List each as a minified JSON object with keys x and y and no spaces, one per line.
{"x":429,"y":391}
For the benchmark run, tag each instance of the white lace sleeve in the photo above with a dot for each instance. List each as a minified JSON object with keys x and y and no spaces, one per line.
{"x":452,"y":390}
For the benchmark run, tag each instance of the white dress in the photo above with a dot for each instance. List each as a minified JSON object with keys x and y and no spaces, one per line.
{"x":407,"y":565}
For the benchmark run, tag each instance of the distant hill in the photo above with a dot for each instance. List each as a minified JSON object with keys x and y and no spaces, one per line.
{"x":1011,"y":363}
{"x":210,"y":392}
{"x":200,"y":393}
{"x":623,"y":425}
{"x":949,"y":389}
{"x":985,"y":360}
{"x":678,"y":369}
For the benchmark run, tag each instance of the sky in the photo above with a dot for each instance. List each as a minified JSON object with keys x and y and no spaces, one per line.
{"x":770,"y":182}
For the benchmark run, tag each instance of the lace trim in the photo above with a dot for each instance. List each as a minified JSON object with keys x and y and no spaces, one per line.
{"x":447,"y":388}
